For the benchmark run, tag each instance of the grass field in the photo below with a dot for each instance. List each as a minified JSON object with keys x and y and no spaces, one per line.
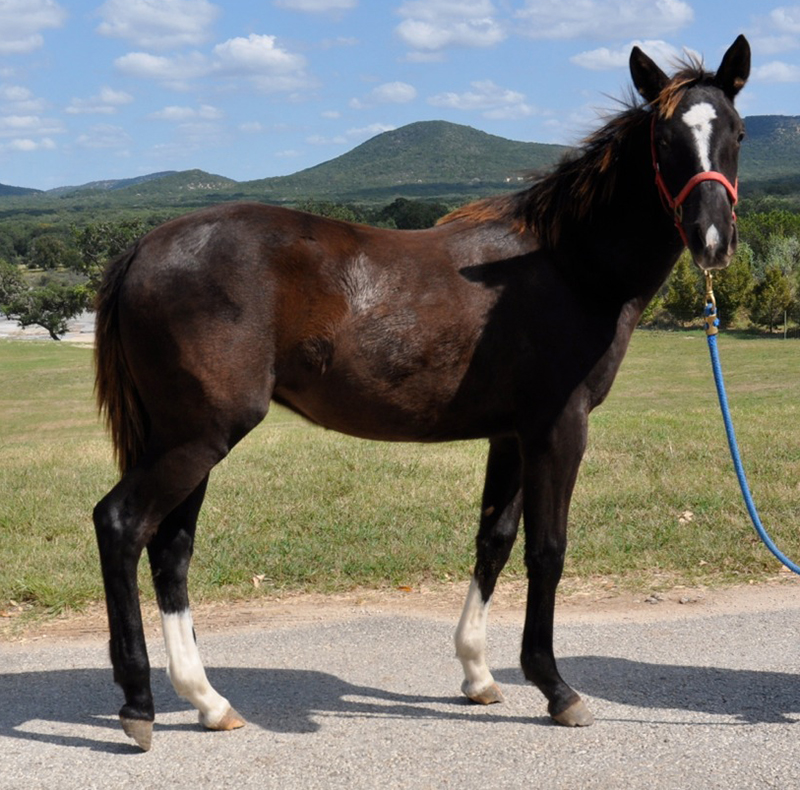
{"x":306,"y":509}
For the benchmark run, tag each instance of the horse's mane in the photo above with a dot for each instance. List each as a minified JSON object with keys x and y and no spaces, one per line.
{"x":586,"y":177}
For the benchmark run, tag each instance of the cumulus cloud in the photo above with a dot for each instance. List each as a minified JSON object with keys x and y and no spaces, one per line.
{"x":18,"y":100}
{"x":21,"y":23}
{"x":388,"y":93}
{"x":104,"y":136}
{"x":257,"y":58}
{"x":778,"y":71}
{"x":487,"y":98}
{"x":166,"y":24}
{"x":610,"y":19}
{"x":435,"y":25}
{"x":776,"y":32}
{"x":317,"y":6}
{"x":29,"y":126}
{"x":107,"y":102}
{"x":173,"y":113}
{"x":603,"y":58}
{"x":26,"y":145}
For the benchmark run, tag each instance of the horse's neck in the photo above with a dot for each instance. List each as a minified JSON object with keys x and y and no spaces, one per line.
{"x":626,"y":248}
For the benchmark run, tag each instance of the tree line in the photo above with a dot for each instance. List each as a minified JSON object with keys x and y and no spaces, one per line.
{"x":49,"y":273}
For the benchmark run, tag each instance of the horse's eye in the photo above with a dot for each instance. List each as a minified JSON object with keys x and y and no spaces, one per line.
{"x":740,"y":137}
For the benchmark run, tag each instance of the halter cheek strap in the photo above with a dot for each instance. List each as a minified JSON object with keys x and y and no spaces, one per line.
{"x":675,"y":204}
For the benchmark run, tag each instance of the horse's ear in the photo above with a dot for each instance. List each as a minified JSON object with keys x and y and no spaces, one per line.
{"x":735,"y":68}
{"x":647,"y":76}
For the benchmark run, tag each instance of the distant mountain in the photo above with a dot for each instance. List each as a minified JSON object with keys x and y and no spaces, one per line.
{"x":8,"y":191}
{"x":105,"y":186}
{"x":428,"y":158}
{"x":770,"y":159}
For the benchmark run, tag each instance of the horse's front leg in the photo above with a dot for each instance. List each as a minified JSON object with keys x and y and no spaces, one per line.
{"x":549,"y":473}
{"x":500,"y":513}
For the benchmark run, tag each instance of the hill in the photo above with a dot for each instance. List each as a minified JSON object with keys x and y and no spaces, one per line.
{"x":428,"y":158}
{"x":770,"y":159}
{"x":9,"y":191}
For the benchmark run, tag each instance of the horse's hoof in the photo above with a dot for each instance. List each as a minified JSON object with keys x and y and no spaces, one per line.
{"x":140,"y":730}
{"x":230,"y":721}
{"x":576,"y":715}
{"x":488,"y":696}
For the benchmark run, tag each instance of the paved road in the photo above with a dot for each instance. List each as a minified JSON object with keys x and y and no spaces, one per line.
{"x":368,"y":699}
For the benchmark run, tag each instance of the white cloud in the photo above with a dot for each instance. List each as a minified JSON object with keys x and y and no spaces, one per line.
{"x":778,"y":71}
{"x":316,"y":6}
{"x":183,"y":114}
{"x":256,"y":54}
{"x":26,"y":145}
{"x":786,"y":19}
{"x":104,"y":136}
{"x":603,"y":58}
{"x":166,"y":24}
{"x":489,"y":99}
{"x":29,"y":126}
{"x":434,"y":25}
{"x":21,"y":22}
{"x":258,"y":58}
{"x":778,"y":31}
{"x":603,"y":18}
{"x":107,"y":102}
{"x":18,"y":100}
{"x":388,"y":93}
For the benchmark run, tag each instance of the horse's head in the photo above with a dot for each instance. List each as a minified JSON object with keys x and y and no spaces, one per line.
{"x":696,"y":134}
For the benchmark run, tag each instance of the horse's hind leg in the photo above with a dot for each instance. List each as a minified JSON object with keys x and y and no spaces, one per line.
{"x":126,"y":519}
{"x":500,"y":514}
{"x":170,"y":552}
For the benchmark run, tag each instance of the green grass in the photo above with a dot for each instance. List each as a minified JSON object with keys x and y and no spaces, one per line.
{"x":307,"y":509}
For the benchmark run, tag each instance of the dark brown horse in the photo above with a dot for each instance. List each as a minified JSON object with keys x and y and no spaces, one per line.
{"x":509,"y":321}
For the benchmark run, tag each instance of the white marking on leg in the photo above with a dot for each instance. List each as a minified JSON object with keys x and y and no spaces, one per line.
{"x":699,"y":119}
{"x":471,"y":642}
{"x":712,"y":238}
{"x":185,"y":669}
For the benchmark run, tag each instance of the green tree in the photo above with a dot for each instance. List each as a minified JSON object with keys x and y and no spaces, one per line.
{"x":99,"y":242}
{"x":411,"y":214}
{"x":50,"y":252}
{"x":11,"y":283}
{"x":50,"y":307}
{"x":733,"y":286}
{"x":685,"y":291}
{"x":773,"y":297}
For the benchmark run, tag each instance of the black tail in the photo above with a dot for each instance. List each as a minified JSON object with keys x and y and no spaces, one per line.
{"x":117,"y":398}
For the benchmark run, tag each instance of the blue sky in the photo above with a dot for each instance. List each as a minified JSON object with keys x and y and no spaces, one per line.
{"x":253,"y":88}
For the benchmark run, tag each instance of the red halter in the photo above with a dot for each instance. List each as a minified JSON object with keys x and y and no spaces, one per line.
{"x":675,"y":204}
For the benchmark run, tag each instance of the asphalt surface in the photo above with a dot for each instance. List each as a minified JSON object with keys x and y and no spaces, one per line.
{"x":369,"y":699}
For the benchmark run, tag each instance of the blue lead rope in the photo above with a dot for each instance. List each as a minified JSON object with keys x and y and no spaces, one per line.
{"x":712,"y":323}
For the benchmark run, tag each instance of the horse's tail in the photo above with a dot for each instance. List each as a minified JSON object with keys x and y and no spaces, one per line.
{"x":117,"y":397}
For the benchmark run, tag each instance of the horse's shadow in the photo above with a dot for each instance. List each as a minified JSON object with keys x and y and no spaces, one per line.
{"x":294,"y":701}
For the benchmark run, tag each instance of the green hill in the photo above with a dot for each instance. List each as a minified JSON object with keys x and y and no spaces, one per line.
{"x":9,"y":191}
{"x":425,"y":159}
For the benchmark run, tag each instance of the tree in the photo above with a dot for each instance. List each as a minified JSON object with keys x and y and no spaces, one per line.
{"x":11,"y":284}
{"x":49,"y":307}
{"x":733,"y":286}
{"x":412,"y":214}
{"x":684,"y":299}
{"x":50,"y":252}
{"x":772,"y":298}
{"x":99,"y":242}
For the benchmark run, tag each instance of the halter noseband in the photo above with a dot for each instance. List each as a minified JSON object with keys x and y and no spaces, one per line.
{"x":675,"y":204}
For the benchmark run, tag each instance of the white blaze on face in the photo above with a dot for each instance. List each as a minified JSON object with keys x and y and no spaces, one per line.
{"x":699,"y":119}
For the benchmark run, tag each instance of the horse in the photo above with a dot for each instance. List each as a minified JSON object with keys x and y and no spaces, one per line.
{"x":507,"y":321}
